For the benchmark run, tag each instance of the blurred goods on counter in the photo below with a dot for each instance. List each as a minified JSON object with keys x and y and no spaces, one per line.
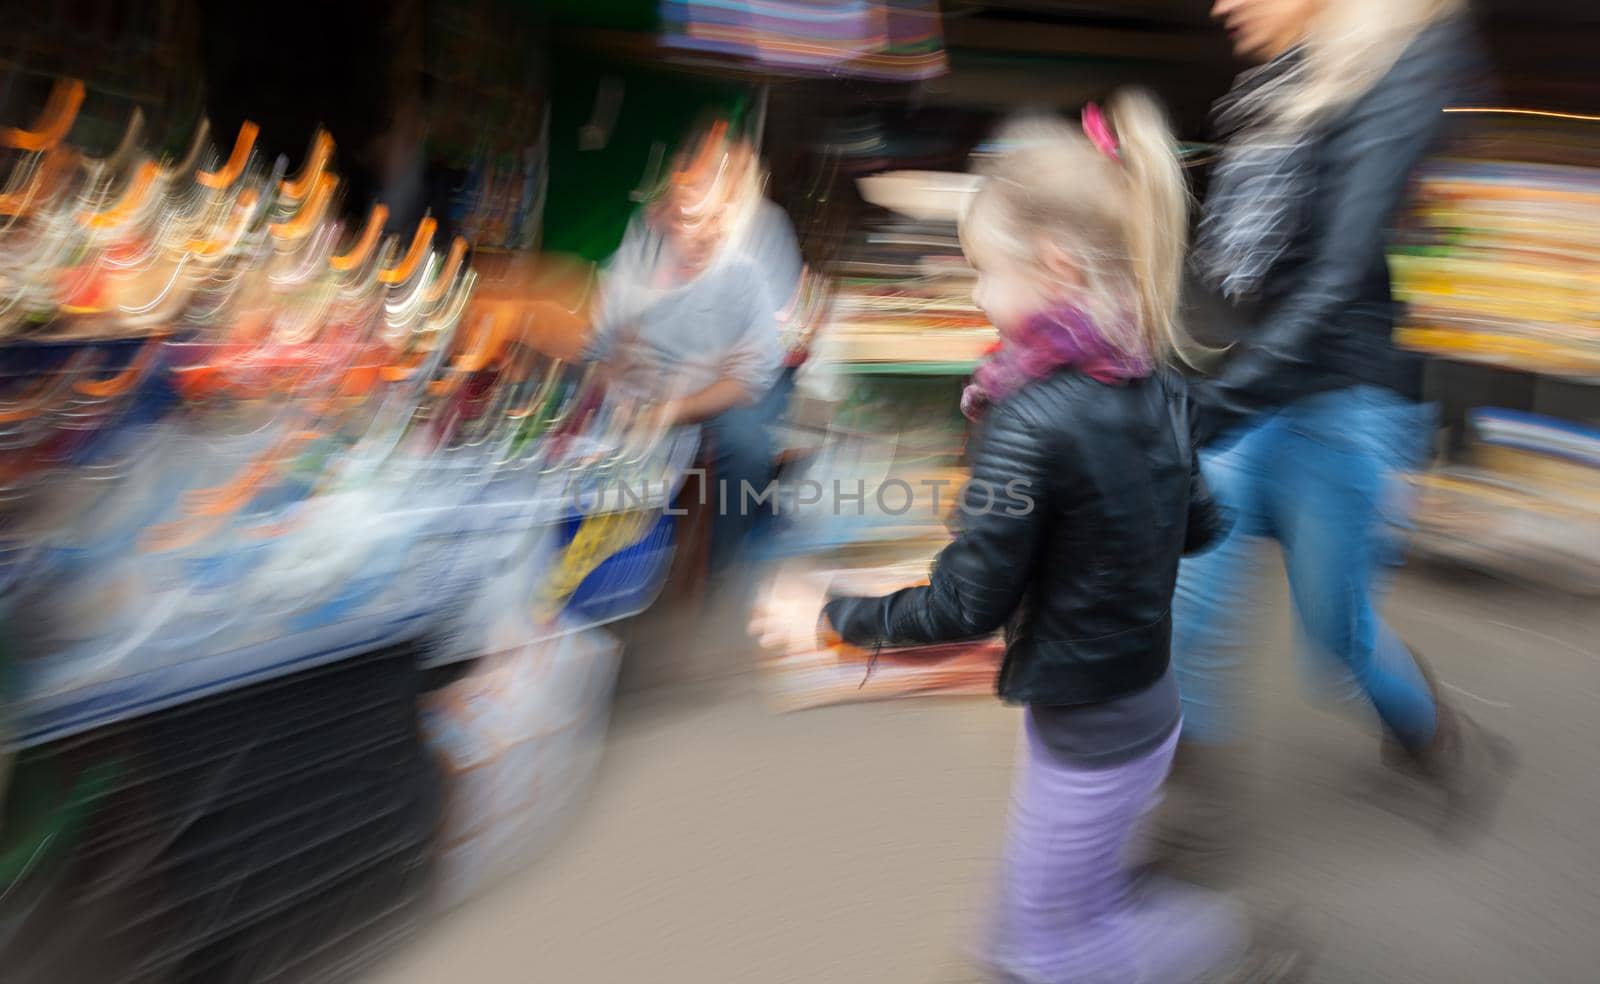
{"x":209,"y":379}
{"x":1527,"y":502}
{"x":263,"y":473}
{"x":904,"y":302}
{"x":1500,"y":263}
{"x":875,"y":504}
{"x":1497,"y":264}
{"x":520,"y":736}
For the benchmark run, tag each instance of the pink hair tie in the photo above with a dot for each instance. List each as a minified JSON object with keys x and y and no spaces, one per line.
{"x":1098,"y":131}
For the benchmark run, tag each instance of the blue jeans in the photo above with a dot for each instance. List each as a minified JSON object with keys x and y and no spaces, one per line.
{"x":1319,"y":477}
{"x":741,"y":450}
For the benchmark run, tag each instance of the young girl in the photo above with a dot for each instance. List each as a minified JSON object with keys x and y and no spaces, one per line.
{"x":1077,"y":236}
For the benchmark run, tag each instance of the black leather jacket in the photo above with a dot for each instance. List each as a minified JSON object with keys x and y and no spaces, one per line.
{"x":1327,"y":316}
{"x":1084,"y":577}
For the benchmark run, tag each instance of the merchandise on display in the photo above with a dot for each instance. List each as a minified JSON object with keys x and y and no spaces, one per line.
{"x":904,"y":301}
{"x":520,"y":737}
{"x":1527,"y":502}
{"x":243,"y":440}
{"x":876,"y":504}
{"x":1498,"y":265}
{"x":898,"y":40}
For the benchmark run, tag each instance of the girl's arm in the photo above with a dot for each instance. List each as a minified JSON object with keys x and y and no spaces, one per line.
{"x":979,"y":580}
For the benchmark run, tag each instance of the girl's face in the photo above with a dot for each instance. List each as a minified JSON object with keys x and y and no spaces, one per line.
{"x":1005,"y":294}
{"x":1010,"y":291}
{"x":1261,"y":30}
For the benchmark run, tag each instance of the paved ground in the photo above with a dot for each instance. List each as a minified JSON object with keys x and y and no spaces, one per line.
{"x":726,"y":844}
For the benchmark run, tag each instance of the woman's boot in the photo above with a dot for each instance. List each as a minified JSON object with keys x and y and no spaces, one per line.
{"x":1469,"y":763}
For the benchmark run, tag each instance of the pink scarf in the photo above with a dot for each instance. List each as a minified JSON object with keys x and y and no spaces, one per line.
{"x":1046,"y":342}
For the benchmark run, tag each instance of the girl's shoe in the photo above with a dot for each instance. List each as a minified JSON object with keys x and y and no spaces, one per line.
{"x":1201,"y":823}
{"x":1281,"y":951}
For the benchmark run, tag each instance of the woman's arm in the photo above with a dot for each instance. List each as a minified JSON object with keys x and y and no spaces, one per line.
{"x":1208,"y":521}
{"x":724,"y":394}
{"x":1371,"y":157}
{"x":980,"y":579}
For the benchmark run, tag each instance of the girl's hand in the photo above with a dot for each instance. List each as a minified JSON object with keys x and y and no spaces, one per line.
{"x":827,"y":635}
{"x":787,"y":615}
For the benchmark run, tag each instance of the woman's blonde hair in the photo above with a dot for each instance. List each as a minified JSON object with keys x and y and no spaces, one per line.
{"x":1352,"y":44}
{"x":1122,"y":220}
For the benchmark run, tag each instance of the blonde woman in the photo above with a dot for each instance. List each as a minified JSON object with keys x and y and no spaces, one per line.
{"x":1314,"y":412}
{"x":1085,"y":492}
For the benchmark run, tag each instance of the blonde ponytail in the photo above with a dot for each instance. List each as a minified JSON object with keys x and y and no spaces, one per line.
{"x":1157,"y":220}
{"x":1115,"y":204}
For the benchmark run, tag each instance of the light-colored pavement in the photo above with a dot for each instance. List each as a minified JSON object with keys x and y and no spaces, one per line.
{"x":726,"y":844}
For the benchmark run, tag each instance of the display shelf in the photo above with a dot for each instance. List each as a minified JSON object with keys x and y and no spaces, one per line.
{"x":1509,"y":526}
{"x":1496,"y":262}
{"x":56,"y":703}
{"x":99,"y":703}
{"x":962,"y":368}
{"x":255,"y":830}
{"x":1480,"y":351}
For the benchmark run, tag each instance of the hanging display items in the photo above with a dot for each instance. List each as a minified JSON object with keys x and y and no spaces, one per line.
{"x":878,"y":39}
{"x":242,"y":438}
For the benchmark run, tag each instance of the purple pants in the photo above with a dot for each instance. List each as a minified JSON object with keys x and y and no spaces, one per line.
{"x":1069,"y":909}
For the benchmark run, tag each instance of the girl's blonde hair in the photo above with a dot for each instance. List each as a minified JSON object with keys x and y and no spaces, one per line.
{"x":1122,"y":220}
{"x":1352,"y":44}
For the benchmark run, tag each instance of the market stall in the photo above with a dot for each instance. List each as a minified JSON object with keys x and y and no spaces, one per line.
{"x":1497,"y":266}
{"x":268,"y":475}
